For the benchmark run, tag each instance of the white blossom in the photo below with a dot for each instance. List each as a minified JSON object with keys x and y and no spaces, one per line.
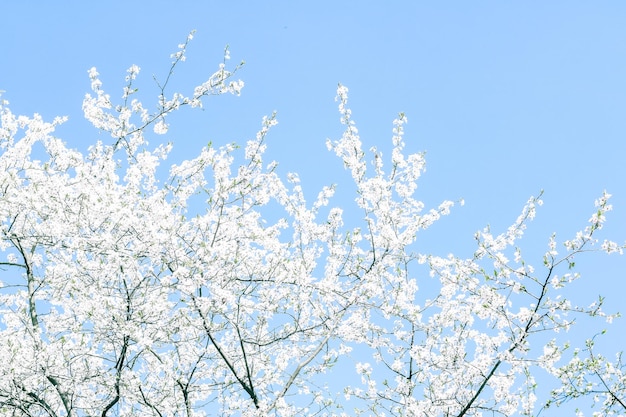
{"x":139,"y":286}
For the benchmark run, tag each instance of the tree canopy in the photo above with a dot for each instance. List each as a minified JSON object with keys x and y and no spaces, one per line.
{"x":215,"y":288}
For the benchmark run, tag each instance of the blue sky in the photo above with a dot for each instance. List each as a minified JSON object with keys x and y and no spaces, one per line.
{"x":506,"y":98}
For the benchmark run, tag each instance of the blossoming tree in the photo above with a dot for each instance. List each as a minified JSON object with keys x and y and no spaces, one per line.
{"x":120,"y":297}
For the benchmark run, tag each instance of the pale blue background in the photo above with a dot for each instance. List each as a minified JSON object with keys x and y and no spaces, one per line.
{"x":507,"y":98}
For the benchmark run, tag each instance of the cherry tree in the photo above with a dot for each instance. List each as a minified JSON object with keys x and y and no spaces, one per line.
{"x":121,"y":297}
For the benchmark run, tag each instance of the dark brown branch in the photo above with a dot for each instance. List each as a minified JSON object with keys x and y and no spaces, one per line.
{"x":531,"y":322}
{"x":249,"y":390}
{"x":245,"y":361}
{"x":185,"y":390}
{"x":146,"y":402}
{"x":30,"y":278}
{"x":66,"y":402}
{"x":38,"y":400}
{"x":119,"y":365}
{"x":118,"y":376}
{"x":614,"y":396}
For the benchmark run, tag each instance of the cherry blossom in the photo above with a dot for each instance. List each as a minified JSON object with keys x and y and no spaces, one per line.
{"x":122,"y":298}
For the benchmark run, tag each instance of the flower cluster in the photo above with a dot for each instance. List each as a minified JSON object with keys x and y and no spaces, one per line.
{"x":128,"y":297}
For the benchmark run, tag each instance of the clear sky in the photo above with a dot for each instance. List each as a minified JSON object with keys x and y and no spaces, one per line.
{"x":506,"y":98}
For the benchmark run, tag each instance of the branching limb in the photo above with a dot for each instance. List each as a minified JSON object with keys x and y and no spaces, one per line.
{"x":248,"y":388}
{"x":119,"y":366}
{"x":305,"y":362}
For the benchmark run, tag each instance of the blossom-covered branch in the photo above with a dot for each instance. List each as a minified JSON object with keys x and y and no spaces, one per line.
{"x":216,"y":288}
